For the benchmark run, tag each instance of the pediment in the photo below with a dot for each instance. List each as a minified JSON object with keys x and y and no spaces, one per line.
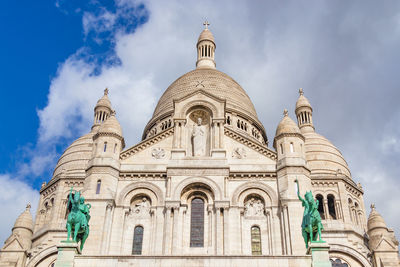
{"x":147,"y":145}
{"x":385,"y":245}
{"x":214,"y":104}
{"x":13,"y":244}
{"x":256,"y":151}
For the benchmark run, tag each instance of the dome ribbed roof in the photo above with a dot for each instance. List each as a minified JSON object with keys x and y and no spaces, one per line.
{"x":213,"y":82}
{"x":25,"y":220}
{"x":76,"y":156}
{"x":302,"y":101}
{"x":322,"y":156}
{"x":104,"y":101}
{"x":206,"y":34}
{"x":287,"y":125}
{"x":111,"y":125}
{"x":375,"y":220}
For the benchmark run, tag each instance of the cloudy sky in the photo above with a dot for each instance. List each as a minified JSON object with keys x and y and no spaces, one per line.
{"x":58,"y":56}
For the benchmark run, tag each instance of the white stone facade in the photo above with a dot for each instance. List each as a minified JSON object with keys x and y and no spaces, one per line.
{"x":250,"y":213}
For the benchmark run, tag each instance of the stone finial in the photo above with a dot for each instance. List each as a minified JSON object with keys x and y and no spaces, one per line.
{"x":106,"y":91}
{"x":113,"y":112}
{"x":285,"y":112}
{"x":373,"y":206}
{"x":43,"y":184}
{"x":28,"y":206}
{"x":301,"y":92}
{"x":206,"y":24}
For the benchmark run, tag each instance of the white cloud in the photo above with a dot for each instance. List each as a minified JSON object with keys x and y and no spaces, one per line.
{"x":14,"y":196}
{"x":343,"y":55}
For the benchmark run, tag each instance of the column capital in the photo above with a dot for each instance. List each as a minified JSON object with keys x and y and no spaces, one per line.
{"x":222,"y":204}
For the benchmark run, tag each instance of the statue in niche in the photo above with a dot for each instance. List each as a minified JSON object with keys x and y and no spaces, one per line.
{"x":142,"y":207}
{"x":199,"y":138}
{"x":254,"y":207}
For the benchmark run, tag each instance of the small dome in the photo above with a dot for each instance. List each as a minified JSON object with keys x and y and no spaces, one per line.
{"x":322,"y":156}
{"x":104,"y":101}
{"x":76,"y":156}
{"x":375,"y":220}
{"x":111,"y":125}
{"x":206,"y":34}
{"x":25,"y":220}
{"x":287,"y":125}
{"x":302,"y":101}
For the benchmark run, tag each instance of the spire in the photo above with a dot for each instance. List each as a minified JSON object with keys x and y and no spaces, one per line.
{"x":304,"y":113}
{"x":206,"y":48}
{"x":102,"y":110}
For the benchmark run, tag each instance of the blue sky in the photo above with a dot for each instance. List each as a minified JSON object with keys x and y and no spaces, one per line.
{"x":58,"y":56}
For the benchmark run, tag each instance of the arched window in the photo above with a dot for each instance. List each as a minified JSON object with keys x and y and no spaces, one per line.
{"x":281,"y":146}
{"x":331,"y":206}
{"x":291,"y":147}
{"x":320,"y":199}
{"x":115,"y":147}
{"x":197,"y":223}
{"x":98,"y":186}
{"x":105,"y":147}
{"x":137,"y":240}
{"x":355,"y":213}
{"x":350,"y":209}
{"x":255,"y":240}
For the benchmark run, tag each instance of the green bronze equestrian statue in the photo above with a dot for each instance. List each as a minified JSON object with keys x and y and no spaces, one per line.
{"x":311,"y":225}
{"x":78,"y":218}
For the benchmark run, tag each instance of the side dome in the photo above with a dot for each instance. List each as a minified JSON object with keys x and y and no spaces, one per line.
{"x":375,"y":220}
{"x":287,"y":125}
{"x":76,"y":156}
{"x":213,"y":82}
{"x":111,"y":125}
{"x":323,"y":157}
{"x":25,"y":220}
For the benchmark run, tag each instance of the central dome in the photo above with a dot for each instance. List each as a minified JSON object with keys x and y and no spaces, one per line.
{"x":213,"y":82}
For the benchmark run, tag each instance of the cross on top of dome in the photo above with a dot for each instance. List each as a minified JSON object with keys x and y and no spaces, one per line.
{"x":206,"y":24}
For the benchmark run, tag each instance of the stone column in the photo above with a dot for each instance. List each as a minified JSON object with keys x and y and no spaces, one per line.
{"x":105,"y":240}
{"x":66,"y":253}
{"x":178,"y":240}
{"x":221,"y":134}
{"x":218,"y":232}
{"x":210,"y":227}
{"x":235,"y":240}
{"x":215,"y":135}
{"x":159,"y":230}
{"x":176,"y":229}
{"x":167,"y":231}
{"x":226,"y":230}
{"x":326,"y":210}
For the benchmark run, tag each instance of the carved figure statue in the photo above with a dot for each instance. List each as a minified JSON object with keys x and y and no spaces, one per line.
{"x":199,"y":139}
{"x":311,"y":225}
{"x":78,"y":218}
{"x":142,"y":206}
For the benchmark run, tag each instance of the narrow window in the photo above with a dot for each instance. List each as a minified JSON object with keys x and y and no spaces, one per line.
{"x":238,"y":124}
{"x":255,"y":240}
{"x":197,"y":223}
{"x":105,"y":146}
{"x":291,"y":148}
{"x":355,"y":213}
{"x":281,"y":146}
{"x":350,"y":210}
{"x":98,"y":187}
{"x":137,"y":240}
{"x":320,"y":199}
{"x":331,"y":206}
{"x":115,"y":148}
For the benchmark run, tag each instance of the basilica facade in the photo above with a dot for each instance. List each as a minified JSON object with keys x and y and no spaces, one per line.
{"x":203,"y":187}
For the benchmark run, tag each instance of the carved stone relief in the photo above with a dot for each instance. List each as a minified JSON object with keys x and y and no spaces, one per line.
{"x":239,"y":153}
{"x":141,"y":207}
{"x":158,"y":153}
{"x":254,"y":207}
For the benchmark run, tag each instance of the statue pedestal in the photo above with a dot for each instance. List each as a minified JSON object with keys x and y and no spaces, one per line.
{"x":66,"y":253}
{"x":319,"y":252}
